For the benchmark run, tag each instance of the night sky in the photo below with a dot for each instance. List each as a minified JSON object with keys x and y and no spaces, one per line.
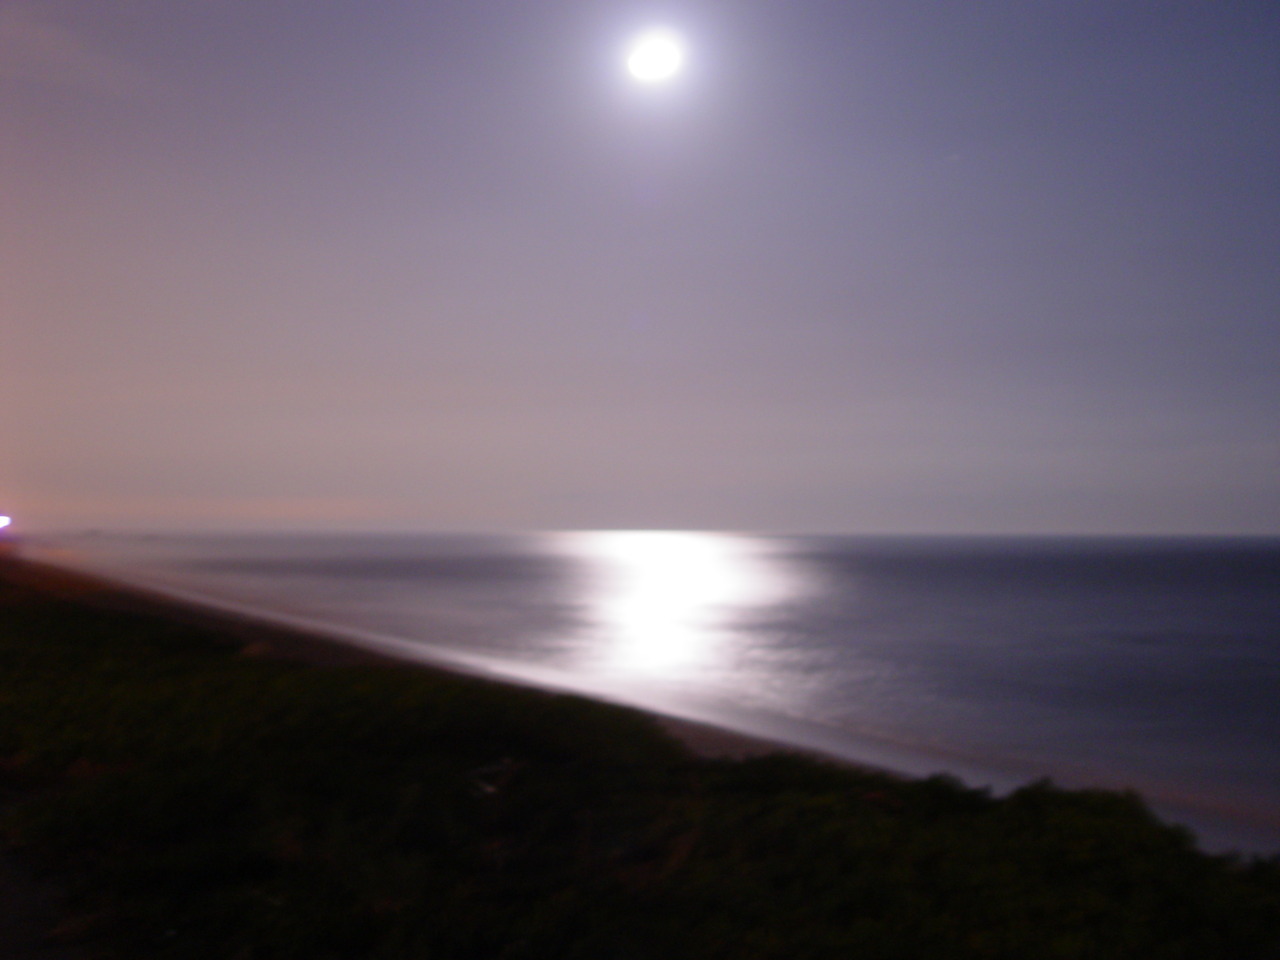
{"x":896,"y":266}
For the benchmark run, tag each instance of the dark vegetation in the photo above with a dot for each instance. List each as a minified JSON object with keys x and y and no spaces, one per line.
{"x":192,"y":802}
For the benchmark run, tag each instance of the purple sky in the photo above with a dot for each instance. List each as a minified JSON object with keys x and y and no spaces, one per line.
{"x":885,"y":266}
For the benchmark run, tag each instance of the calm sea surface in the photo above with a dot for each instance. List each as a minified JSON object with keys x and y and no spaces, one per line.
{"x":1153,"y":664}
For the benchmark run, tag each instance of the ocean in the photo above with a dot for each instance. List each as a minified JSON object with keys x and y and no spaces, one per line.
{"x":1148,"y":664}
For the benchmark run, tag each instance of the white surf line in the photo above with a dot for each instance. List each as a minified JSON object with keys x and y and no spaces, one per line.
{"x":776,"y":732}
{"x":784,"y":733}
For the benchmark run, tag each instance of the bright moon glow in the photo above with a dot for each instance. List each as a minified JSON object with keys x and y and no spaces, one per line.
{"x":655,"y":56}
{"x":666,"y":600}
{"x":4,"y":522}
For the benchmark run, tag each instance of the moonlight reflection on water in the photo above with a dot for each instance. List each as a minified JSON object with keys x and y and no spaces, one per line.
{"x":666,"y":605}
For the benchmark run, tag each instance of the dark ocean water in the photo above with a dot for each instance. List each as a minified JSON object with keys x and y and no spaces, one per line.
{"x":1152,"y":664}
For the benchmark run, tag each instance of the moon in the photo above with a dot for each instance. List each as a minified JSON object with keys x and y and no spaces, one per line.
{"x":655,"y":56}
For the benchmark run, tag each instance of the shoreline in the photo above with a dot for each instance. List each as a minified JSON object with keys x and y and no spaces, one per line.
{"x":261,"y":636}
{"x":294,"y":638}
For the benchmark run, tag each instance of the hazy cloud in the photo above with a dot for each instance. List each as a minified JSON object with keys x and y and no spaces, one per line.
{"x":34,"y":48}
